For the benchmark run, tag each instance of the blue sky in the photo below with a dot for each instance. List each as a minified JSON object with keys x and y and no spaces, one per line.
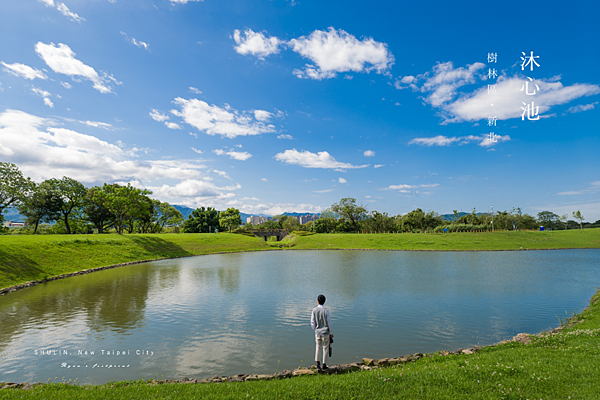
{"x":275,"y":106}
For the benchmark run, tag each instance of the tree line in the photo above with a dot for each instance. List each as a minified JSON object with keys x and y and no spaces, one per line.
{"x":76,"y":209}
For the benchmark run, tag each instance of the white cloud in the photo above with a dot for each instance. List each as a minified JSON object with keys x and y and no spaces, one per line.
{"x":195,"y":90}
{"x":221,"y":173}
{"x":378,"y":165}
{"x":43,"y":151}
{"x":323,"y":191}
{"x":264,"y":180}
{"x":48,"y":3}
{"x":215,"y":120}
{"x":135,"y":42}
{"x":158,"y":116}
{"x":262,"y":116}
{"x":369,"y":153}
{"x":582,"y":107}
{"x":48,"y":102}
{"x":196,"y":150}
{"x":482,"y":140}
{"x":342,"y":180}
{"x":66,"y":85}
{"x":255,"y":43}
{"x":61,"y":59}
{"x":195,"y":190}
{"x":40,"y":92}
{"x":274,"y":208}
{"x":183,"y":1}
{"x":336,"y":51}
{"x":440,"y":87}
{"x":64,"y":10}
{"x":173,"y":125}
{"x":23,"y":71}
{"x":235,"y":155}
{"x":285,"y":136}
{"x":97,"y":124}
{"x":593,"y":188}
{"x":307,"y":159}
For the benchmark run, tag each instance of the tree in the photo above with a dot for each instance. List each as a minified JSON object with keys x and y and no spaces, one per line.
{"x":125,"y":202}
{"x":348,"y":209}
{"x":167,"y":215}
{"x":96,"y":209}
{"x":564,"y":219}
{"x":456,"y":215}
{"x":577,"y":215}
{"x":547,"y":218}
{"x":41,"y":205}
{"x":71,"y":194}
{"x":325,"y":225}
{"x":13,"y":186}
{"x":201,"y":220}
{"x":380,"y":222}
{"x":230,"y":218}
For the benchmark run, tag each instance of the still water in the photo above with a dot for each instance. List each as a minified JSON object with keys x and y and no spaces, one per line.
{"x":250,"y":312}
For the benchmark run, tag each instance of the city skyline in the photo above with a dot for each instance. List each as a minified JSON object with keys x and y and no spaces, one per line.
{"x":289,"y":106}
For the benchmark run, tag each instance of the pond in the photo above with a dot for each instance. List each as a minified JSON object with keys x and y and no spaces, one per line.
{"x":250,"y":312}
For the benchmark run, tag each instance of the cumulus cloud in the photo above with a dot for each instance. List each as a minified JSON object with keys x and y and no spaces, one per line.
{"x":221,"y":173}
{"x":66,"y":85}
{"x":403,"y":188}
{"x":274,"y":208}
{"x":336,"y":51}
{"x":342,"y":180}
{"x":23,"y":71}
{"x":262,"y":116}
{"x":97,"y":124}
{"x":483,"y":140}
{"x":264,"y":180}
{"x":369,"y":153}
{"x":235,"y":155}
{"x":173,"y":125}
{"x":285,"y":136}
{"x":307,"y":159}
{"x":158,"y":116}
{"x":323,"y":191}
{"x":40,"y":92}
{"x":214,"y":120}
{"x":135,"y":42}
{"x":195,"y":90}
{"x":255,"y":43}
{"x":61,"y":59}
{"x":48,"y":102}
{"x":378,"y":165}
{"x":508,"y":98}
{"x":42,"y":151}
{"x":196,"y":150}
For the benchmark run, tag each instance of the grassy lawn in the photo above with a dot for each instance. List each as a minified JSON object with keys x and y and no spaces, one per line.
{"x":564,"y":365}
{"x":26,"y":258}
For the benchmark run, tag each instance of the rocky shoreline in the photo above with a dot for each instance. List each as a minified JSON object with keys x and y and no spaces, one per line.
{"x":366,"y":364}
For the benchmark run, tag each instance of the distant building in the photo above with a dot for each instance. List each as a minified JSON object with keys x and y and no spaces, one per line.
{"x":256,"y":220}
{"x":11,"y":224}
{"x":307,"y":218}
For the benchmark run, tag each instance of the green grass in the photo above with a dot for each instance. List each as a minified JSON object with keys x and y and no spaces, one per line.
{"x":560,"y":366}
{"x":26,"y":258}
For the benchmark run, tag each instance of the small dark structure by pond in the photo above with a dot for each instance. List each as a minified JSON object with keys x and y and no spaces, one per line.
{"x":265,"y":233}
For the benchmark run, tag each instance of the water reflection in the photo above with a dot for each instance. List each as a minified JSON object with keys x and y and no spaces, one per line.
{"x":250,"y":312}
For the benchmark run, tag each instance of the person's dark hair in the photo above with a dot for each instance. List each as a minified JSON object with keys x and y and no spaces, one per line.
{"x":321,"y":299}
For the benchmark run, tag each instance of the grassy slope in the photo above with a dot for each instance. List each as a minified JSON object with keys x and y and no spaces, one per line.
{"x":26,"y":258}
{"x":561,"y":366}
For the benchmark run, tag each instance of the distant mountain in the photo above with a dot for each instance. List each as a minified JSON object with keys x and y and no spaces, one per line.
{"x":450,"y":217}
{"x":12,"y":214}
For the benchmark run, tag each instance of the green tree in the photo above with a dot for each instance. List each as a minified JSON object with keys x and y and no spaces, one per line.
{"x":577,"y":215}
{"x":71,"y":194}
{"x":379,"y":222}
{"x":348,"y":209}
{"x":13,"y":186}
{"x":41,"y":205}
{"x":230,"y":218}
{"x":201,"y":220}
{"x":96,"y":209}
{"x":325,"y":225}
{"x":564,"y":219}
{"x":290,"y":223}
{"x":126,"y":203}
{"x":547,"y":219}
{"x":167,"y":215}
{"x":456,"y":215}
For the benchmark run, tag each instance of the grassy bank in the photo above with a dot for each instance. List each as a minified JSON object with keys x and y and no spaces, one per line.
{"x":28,"y":258}
{"x":562,"y":365}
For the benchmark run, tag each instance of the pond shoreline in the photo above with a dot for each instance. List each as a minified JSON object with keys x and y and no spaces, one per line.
{"x":14,"y":288}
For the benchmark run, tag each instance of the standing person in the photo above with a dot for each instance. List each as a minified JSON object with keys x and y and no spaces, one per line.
{"x":320,"y":320}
